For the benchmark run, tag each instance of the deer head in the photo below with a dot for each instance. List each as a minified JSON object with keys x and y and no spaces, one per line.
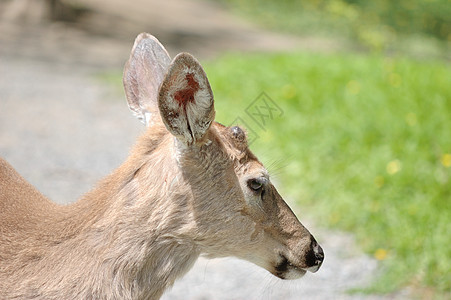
{"x":230,"y":207}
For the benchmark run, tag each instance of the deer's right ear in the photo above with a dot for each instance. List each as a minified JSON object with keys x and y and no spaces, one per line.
{"x":186,"y":100}
{"x":143,"y":75}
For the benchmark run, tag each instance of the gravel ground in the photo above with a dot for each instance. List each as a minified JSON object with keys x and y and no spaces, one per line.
{"x":63,"y":130}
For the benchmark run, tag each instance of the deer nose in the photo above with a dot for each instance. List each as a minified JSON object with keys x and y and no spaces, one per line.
{"x":316,"y":256}
{"x":319,"y":254}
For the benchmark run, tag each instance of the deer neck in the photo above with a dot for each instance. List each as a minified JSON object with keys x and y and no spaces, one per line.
{"x":139,"y":228}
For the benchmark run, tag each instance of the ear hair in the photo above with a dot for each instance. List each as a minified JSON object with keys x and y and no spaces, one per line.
{"x":186,"y":100}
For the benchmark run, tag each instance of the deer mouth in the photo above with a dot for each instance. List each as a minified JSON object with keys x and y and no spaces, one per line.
{"x":287,"y":270}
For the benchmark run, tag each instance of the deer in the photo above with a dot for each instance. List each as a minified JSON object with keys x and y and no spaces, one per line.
{"x":190,"y":187}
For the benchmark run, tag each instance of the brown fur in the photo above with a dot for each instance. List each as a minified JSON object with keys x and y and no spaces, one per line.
{"x":145,"y":225}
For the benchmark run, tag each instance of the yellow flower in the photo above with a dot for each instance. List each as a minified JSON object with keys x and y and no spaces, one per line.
{"x":411,"y":119}
{"x":289,"y":91}
{"x":395,"y":79}
{"x":334,"y":218}
{"x":393,"y":167}
{"x":353,"y":87}
{"x":379,"y":181}
{"x":446,"y":160}
{"x":380,"y":254}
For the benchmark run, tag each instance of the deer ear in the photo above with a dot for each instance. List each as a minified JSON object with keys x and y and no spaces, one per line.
{"x":186,"y":100}
{"x":143,"y":74}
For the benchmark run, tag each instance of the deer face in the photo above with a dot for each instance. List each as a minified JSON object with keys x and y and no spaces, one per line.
{"x":285,"y":247}
{"x":236,"y":209}
{"x":239,"y":211}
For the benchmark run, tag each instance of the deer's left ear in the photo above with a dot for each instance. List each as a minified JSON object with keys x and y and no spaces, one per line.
{"x":186,"y":100}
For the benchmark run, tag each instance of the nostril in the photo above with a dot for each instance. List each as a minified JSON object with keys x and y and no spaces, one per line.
{"x":314,"y":257}
{"x":319,"y":254}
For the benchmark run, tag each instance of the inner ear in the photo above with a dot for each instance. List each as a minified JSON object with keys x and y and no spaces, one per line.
{"x":143,"y":74}
{"x":186,"y":100}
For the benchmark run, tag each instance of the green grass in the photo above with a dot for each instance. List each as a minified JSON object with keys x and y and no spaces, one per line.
{"x":418,"y":27}
{"x":365,"y":145}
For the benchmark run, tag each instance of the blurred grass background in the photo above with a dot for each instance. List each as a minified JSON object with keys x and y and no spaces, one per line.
{"x":365,"y":140}
{"x":419,"y":27}
{"x":364,"y":143}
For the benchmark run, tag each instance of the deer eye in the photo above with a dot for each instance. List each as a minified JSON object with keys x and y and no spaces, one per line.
{"x":255,"y":184}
